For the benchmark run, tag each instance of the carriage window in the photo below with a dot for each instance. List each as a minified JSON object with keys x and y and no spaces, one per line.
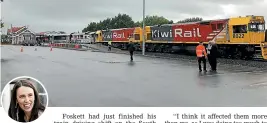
{"x":261,"y":27}
{"x":255,"y":27}
{"x":220,"y":26}
{"x":149,"y":36}
{"x":240,"y":29}
{"x":213,"y":26}
{"x":137,"y":37}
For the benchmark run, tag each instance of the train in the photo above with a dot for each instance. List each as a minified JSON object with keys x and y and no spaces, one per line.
{"x":242,"y":37}
{"x":79,"y":38}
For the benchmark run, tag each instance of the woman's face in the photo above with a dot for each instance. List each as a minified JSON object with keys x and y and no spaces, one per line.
{"x":25,"y":98}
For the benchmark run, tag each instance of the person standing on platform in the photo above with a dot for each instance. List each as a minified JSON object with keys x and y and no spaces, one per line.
{"x":201,"y":56}
{"x":109,"y":45}
{"x":131,"y":49}
{"x":35,"y":47}
{"x":208,"y":52}
{"x":212,"y":55}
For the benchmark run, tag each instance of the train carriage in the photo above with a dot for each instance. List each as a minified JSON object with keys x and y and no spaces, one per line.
{"x":184,"y":37}
{"x":119,"y":37}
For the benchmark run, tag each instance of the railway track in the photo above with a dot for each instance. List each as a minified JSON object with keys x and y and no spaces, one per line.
{"x":234,"y":65}
{"x":191,"y":57}
{"x":239,"y":64}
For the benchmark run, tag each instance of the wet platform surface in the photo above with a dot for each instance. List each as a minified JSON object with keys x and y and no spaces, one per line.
{"x":84,"y":78}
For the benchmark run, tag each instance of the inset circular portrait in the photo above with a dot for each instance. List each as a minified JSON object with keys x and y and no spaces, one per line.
{"x":24,"y":99}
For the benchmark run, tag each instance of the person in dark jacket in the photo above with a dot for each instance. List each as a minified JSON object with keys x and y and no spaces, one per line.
{"x":131,"y":49}
{"x":212,"y":55}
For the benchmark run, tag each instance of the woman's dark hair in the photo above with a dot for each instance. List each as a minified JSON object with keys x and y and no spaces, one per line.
{"x":15,"y":112}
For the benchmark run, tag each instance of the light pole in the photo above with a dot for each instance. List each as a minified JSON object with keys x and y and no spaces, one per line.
{"x":143,"y":47}
{"x":1,"y":42}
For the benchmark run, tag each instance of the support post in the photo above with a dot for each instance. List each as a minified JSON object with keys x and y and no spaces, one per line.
{"x":143,"y":47}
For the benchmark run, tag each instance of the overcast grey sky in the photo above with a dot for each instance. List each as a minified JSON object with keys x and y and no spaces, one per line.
{"x":74,"y":15}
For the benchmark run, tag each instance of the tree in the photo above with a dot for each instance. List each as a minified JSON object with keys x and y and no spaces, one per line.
{"x":2,"y":25}
{"x":125,"y":21}
{"x":138,"y":24}
{"x":119,"y":21}
{"x":4,"y":39}
{"x":193,"y":19}
{"x":155,"y":20}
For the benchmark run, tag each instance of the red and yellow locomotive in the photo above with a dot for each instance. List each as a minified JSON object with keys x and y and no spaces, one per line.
{"x":238,"y":37}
